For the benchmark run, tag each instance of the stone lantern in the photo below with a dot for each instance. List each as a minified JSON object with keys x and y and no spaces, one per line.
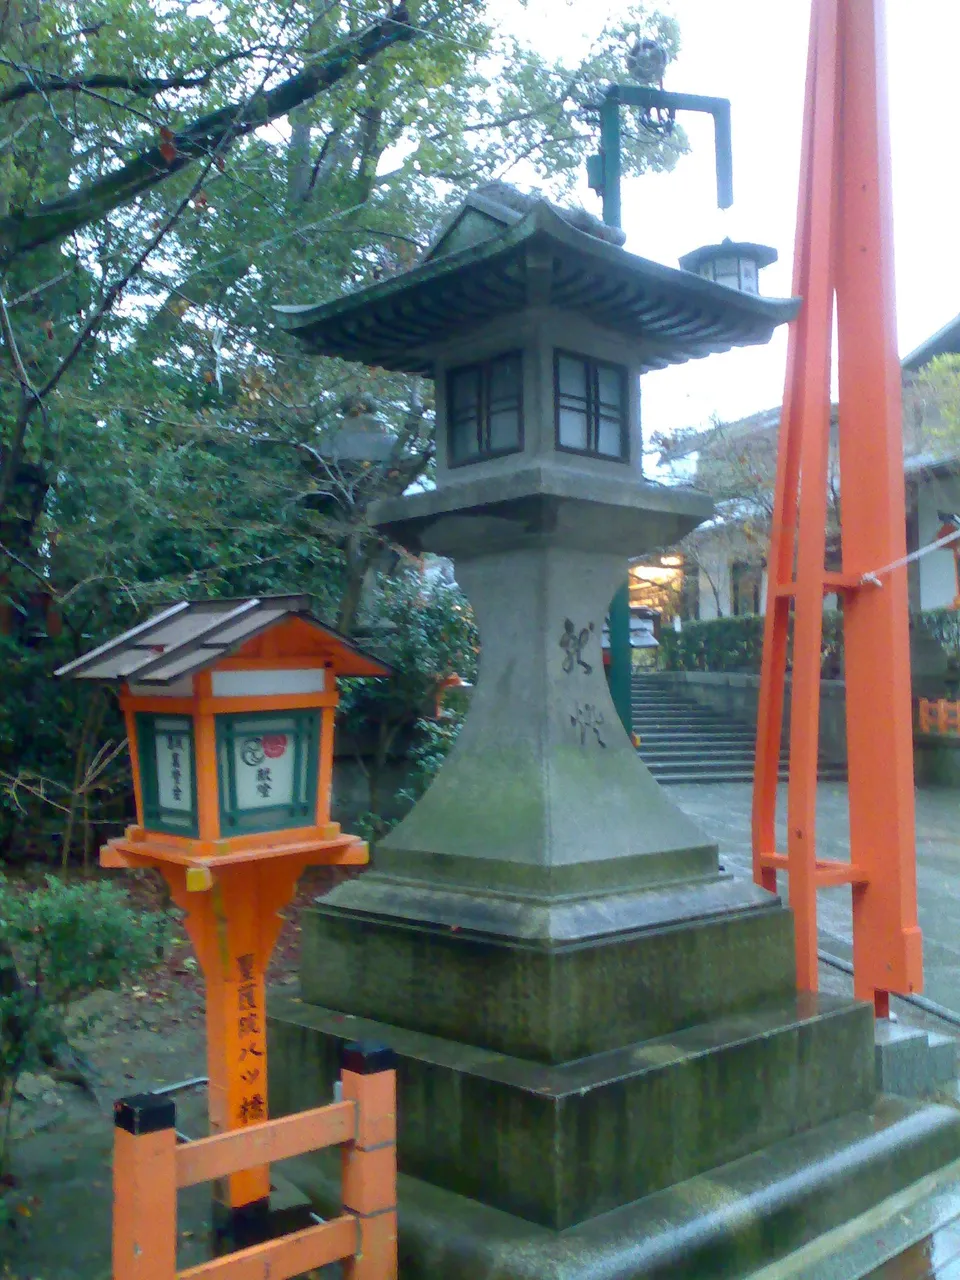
{"x":587,"y":1010}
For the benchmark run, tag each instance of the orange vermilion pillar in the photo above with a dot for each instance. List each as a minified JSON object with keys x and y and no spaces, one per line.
{"x":844,"y":251}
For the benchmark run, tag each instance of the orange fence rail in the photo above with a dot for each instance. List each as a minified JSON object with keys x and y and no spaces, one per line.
{"x":940,"y":716}
{"x":149,"y":1167}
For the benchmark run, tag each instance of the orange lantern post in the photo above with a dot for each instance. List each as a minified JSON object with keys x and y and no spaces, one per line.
{"x":229,"y":707}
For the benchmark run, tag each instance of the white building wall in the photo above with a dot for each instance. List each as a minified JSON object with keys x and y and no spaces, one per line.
{"x":937,"y":570}
{"x":715,"y":581}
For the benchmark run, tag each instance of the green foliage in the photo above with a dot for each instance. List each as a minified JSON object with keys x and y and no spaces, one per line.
{"x":932,"y":402}
{"x":944,"y":626}
{"x":434,"y":741}
{"x":426,"y":631}
{"x":715,"y":644}
{"x":736,"y":644}
{"x":182,"y":444}
{"x":57,"y":943}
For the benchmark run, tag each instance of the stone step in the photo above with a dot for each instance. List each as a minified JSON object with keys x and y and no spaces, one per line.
{"x":693,"y":758}
{"x":685,"y":777}
{"x":913,"y":1062}
{"x":588,"y":1136}
{"x":662,"y":739}
{"x":752,"y":1214}
{"x":687,"y":718}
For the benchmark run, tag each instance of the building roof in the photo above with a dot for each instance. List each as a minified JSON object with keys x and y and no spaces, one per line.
{"x":539,"y":259}
{"x":195,"y":634}
{"x":945,"y":341}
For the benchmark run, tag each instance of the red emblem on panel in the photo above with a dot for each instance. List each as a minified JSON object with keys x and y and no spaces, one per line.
{"x":274,"y":745}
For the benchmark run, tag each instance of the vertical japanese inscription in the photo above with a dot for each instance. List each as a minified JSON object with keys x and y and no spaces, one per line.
{"x":588,"y":722}
{"x":252,"y":1106}
{"x":573,"y":643}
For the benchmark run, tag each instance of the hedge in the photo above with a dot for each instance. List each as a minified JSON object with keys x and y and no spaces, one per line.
{"x":736,"y":644}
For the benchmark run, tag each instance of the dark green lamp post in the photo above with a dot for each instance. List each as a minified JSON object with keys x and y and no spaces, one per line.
{"x":603,"y":174}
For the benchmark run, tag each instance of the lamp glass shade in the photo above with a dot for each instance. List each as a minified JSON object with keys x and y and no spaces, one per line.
{"x":726,"y":271}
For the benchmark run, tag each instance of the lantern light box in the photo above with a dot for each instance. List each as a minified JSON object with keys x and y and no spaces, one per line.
{"x":229,"y":706}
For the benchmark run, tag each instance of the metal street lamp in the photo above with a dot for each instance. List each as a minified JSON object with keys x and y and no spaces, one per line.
{"x":658,"y":110}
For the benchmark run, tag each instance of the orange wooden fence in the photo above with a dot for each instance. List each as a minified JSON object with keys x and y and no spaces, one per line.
{"x":940,"y":716}
{"x":149,"y":1167}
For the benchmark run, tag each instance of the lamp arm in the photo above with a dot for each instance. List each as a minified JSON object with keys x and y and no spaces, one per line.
{"x":604,"y":171}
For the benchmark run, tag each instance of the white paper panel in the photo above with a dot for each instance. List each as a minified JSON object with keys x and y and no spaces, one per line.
{"x":174,"y":765}
{"x":264,"y":769}
{"x":257,"y":684}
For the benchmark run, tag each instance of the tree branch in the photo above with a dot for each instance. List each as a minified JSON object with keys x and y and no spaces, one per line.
{"x":12,"y":555}
{"x":44,"y":223}
{"x":140,"y":86}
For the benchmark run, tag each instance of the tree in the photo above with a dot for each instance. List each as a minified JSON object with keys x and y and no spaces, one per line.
{"x":932,"y":407}
{"x":157,"y":434}
{"x":736,"y":464}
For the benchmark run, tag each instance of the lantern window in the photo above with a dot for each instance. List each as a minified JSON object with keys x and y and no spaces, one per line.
{"x":168,"y":773}
{"x":485,"y":409}
{"x":267,"y":767}
{"x":590,"y":398}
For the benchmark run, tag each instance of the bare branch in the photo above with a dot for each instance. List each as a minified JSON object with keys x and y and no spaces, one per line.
{"x":11,"y":555}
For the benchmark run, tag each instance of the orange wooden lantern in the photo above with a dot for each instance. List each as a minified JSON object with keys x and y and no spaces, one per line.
{"x":230,"y":706}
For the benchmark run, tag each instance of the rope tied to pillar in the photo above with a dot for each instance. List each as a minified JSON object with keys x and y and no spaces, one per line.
{"x":874,"y":577}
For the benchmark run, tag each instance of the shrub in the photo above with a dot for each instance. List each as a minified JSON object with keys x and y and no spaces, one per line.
{"x":427,"y":635}
{"x":736,"y":644}
{"x":714,"y":644}
{"x":59,"y":942}
{"x":944,"y":626}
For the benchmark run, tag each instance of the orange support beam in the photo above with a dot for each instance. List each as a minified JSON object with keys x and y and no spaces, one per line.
{"x":149,"y":1168}
{"x":844,"y":253}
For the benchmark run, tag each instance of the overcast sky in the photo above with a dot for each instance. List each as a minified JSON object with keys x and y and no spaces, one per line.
{"x":754,"y":52}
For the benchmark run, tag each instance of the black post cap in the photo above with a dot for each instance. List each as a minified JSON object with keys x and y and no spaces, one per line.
{"x":366,"y":1057}
{"x":144,"y":1113}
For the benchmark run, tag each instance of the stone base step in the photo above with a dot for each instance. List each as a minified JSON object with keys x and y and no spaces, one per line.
{"x":912,"y":1062}
{"x":755,"y":1212}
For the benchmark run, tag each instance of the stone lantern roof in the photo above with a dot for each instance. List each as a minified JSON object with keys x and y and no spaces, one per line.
{"x":494,"y":259}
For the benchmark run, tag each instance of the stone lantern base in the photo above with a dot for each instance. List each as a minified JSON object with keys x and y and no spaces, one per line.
{"x":604,"y":1068}
{"x":481,"y":1130}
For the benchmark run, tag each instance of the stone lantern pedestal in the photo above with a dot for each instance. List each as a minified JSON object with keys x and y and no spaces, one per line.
{"x":605,"y":1070}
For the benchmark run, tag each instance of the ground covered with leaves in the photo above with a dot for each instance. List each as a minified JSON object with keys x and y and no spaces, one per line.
{"x":146,"y":1034}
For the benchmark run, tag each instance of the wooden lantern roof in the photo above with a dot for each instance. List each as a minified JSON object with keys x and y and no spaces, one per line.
{"x":196,"y":634}
{"x":486,"y":267}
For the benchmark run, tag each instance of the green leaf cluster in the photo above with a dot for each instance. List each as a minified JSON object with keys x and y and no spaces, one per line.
{"x":736,"y":644}
{"x":59,"y":942}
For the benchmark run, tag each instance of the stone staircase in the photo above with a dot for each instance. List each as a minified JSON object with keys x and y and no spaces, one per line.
{"x":682,"y":741}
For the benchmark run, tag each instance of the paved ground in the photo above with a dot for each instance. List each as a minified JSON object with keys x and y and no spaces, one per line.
{"x":723,"y":812}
